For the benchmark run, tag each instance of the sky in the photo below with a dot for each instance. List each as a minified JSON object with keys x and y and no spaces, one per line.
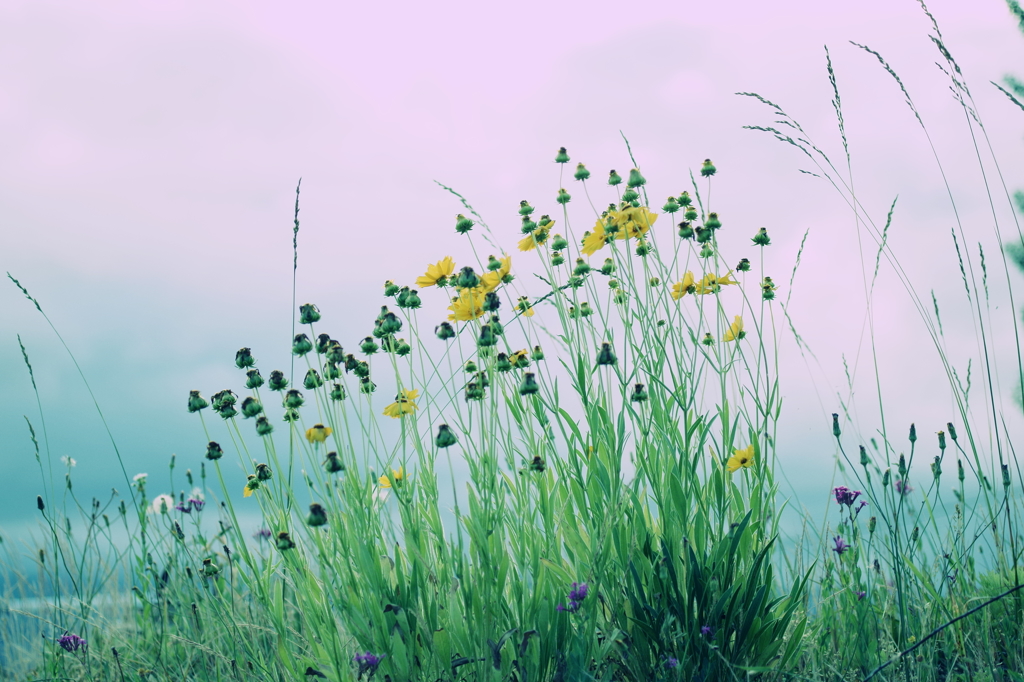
{"x":150,"y":152}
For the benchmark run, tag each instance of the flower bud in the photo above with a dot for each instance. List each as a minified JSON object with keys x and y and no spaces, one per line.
{"x":707,"y":169}
{"x":210,"y":569}
{"x":886,"y":478}
{"x":474,"y":391}
{"x":557,"y":259}
{"x":337,"y":392}
{"x":639,"y":394}
{"x":913,"y":434}
{"x":502,"y":363}
{"x":635,"y":179}
{"x":1005,"y":469}
{"x":366,"y":386}
{"x":713,"y":223}
{"x":463,"y":224}
{"x":196,"y":402}
{"x":491,"y":302}
{"x":685,"y":229}
{"x":301,"y":344}
{"x":903,"y":466}
{"x":410,"y":300}
{"x":942,"y":441}
{"x":244,"y":358}
{"x":690,"y":213}
{"x":768,"y":289}
{"x":937,"y":468}
{"x":643,"y":247}
{"x":581,"y":172}
{"x":214,"y":451}
{"x":762,"y":238}
{"x":317,"y":515}
{"x":263,"y":426}
{"x":277,"y":382}
{"x":333,"y":464}
{"x":525,"y":208}
{"x":390,"y":288}
{"x":704,"y":235}
{"x":614,"y":178}
{"x":487,"y":337}
{"x":629,"y":196}
{"x":308,"y":313}
{"x":445,"y":437}
{"x":708,"y":339}
{"x":563,"y":197}
{"x":872,"y":522}
{"x":251,"y":407}
{"x":835,"y":425}
{"x":312,"y":380}
{"x":284,"y":541}
{"x":671,"y":205}
{"x":323,"y":342}
{"x":606,"y":356}
{"x":561,"y":156}
{"x":335,"y":353}
{"x":537,"y":464}
{"x":863,"y":456}
{"x":529,"y":384}
{"x":582,"y":267}
{"x":706,"y":251}
{"x":39,"y":503}
{"x":369,"y":346}
{"x":608,"y":267}
{"x":527,"y":226}
{"x":293,"y":399}
{"x":253,"y":380}
{"x":360,"y":368}
{"x":743,"y":265}
{"x":467,"y":278}
{"x":331,"y":371}
{"x":263,"y":472}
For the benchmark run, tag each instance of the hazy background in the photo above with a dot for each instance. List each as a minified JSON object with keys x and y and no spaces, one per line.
{"x":149,"y":154}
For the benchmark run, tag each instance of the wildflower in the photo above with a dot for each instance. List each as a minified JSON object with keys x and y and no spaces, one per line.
{"x":491,"y":280}
{"x":860,"y":594}
{"x":263,"y":472}
{"x":845,"y":496}
{"x":253,"y":379}
{"x":562,"y":156}
{"x":251,"y":407}
{"x":735,"y":330}
{"x":301,"y":344}
{"x":537,"y":354}
{"x":707,"y":169}
{"x":741,"y":459}
{"x":606,"y":356}
{"x":463,"y":224}
{"x":244,"y":358}
{"x":210,"y":569}
{"x":333,"y":464}
{"x":614,"y":178}
{"x":197,"y":503}
{"x":533,"y":239}
{"x":581,"y":172}
{"x":445,"y":436}
{"x":768,"y":289}
{"x":68,"y":461}
{"x":671,"y":662}
{"x":317,"y":515}
{"x":277,"y":382}
{"x":318,"y":433}
{"x":525,"y":309}
{"x":706,"y":630}
{"x":529,"y":384}
{"x":525,"y":208}
{"x":437,"y":274}
{"x":902,"y":487}
{"x":262,"y":535}
{"x":404,"y":404}
{"x":636,"y":220}
{"x":712,"y":222}
{"x":683,"y":287}
{"x":196,"y":402}
{"x":841,"y":545}
{"x":594,"y":241}
{"x":639,"y":394}
{"x":708,"y":339}
{"x":263,"y":426}
{"x":396,"y":478}
{"x":251,"y":486}
{"x":183,"y":507}
{"x":712,"y":283}
{"x":367,"y":663}
{"x":563,"y":197}
{"x":71,"y":643}
{"x":284,"y":541}
{"x":576,"y":596}
{"x":474,"y":391}
{"x":140,"y":478}
{"x":762,"y":238}
{"x":537,"y":464}
{"x":468,"y":305}
{"x":390,"y":288}
{"x":161,"y":504}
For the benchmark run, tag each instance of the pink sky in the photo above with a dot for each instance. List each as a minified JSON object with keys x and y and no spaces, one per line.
{"x":150,"y":152}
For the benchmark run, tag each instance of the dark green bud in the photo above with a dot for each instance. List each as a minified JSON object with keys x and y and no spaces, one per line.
{"x":629,"y":196}
{"x":684,"y":199}
{"x":493,"y":263}
{"x":835,"y":425}
{"x":244,"y":358}
{"x":915,"y":533}
{"x":502,"y":363}
{"x":581,"y":172}
{"x":528,"y":226}
{"x":557,"y":259}
{"x":886,"y":478}
{"x":608,"y":267}
{"x":391,"y":323}
{"x":317,"y":515}
{"x":563,"y":197}
{"x":301,"y":344}
{"x":712,"y":223}
{"x":410,"y":300}
{"x":937,"y":468}
{"x":913,"y":434}
{"x":444,"y":331}
{"x":362,"y":369}
{"x":614,"y":178}
{"x":743,"y":265}
{"x":762,"y":238}
{"x":335,"y":353}
{"x":707,"y":169}
{"x":537,"y":354}
{"x":277,"y":382}
{"x":529,"y":384}
{"x":369,"y":346}
{"x":293,"y":399}
{"x":251,"y":407}
{"x":223,"y":398}
{"x":481,"y":378}
{"x":284,"y":541}
{"x":351,"y":363}
{"x":337,"y":392}
{"x":467,"y":278}
{"x":263,"y":472}
{"x":213,"y":451}
{"x":643,"y":247}
{"x":606,"y":356}
{"x":525,"y":208}
{"x":253,"y":379}
{"x":864,"y":461}
{"x":690,"y":213}
{"x":586,"y":310}
{"x":331,"y":371}
{"x":333,"y":464}
{"x":902,"y":466}
{"x":445,"y":437}
{"x":707,"y":251}
{"x":263,"y":426}
{"x":366,"y":386}
{"x":960,"y":470}
{"x":210,"y":569}
{"x":558,"y":242}
{"x":487,"y":337}
{"x":561,"y":156}
{"x":942,"y":440}
{"x":39,"y":503}
{"x":1005,"y":469}
{"x":872,"y":522}
{"x":639,"y":394}
{"x":308,"y":313}
{"x":575,"y":281}
{"x":537,"y":464}
{"x":312,"y":380}
{"x":704,"y":235}
{"x":471,"y":367}
{"x":491,"y":302}
{"x":685,"y":229}
{"x":708,"y":339}
{"x":497,"y":328}
{"x":196,"y":402}
{"x":671,"y":206}
{"x":474,"y":391}
{"x":390,"y":288}
{"x":403,"y":296}
{"x":951,"y":431}
{"x":582,"y":267}
{"x":463,"y":224}
{"x":635,"y":179}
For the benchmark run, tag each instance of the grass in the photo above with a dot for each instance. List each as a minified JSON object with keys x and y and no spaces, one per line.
{"x":614,"y":416}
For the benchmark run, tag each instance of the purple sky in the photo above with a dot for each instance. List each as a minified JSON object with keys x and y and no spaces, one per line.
{"x":149,"y":154}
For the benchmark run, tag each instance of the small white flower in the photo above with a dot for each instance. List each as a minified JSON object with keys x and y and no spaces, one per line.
{"x":162,"y":504}
{"x":68,"y":462}
{"x":139,"y":477}
{"x":197,"y":494}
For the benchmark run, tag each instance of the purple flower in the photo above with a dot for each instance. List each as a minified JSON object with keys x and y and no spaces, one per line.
{"x":860,"y":595}
{"x":196,"y":503}
{"x":671,"y":662}
{"x":902,"y":487}
{"x":69,"y":642}
{"x":860,"y":506}
{"x":263,"y":534}
{"x":706,"y":630}
{"x":184,"y":507}
{"x":368,"y":662}
{"x":846,"y":496}
{"x":841,"y":545}
{"x":578,"y":592}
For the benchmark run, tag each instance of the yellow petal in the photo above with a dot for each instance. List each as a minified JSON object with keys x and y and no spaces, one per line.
{"x":247,"y":492}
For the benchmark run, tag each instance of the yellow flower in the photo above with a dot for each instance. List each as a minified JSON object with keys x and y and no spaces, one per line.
{"x":404,"y":404}
{"x":594,"y":241}
{"x":712,"y":283}
{"x":469,"y":304}
{"x":735,"y":330}
{"x":524,"y":306}
{"x":251,"y":486}
{"x":490,"y":281}
{"x":741,"y":459}
{"x":635,"y":221}
{"x":318,"y":433}
{"x":441,"y":270}
{"x":397,"y":474}
{"x":534,"y":239}
{"x":680,"y":289}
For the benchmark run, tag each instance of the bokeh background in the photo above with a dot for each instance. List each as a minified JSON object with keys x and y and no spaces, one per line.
{"x":149,"y":154}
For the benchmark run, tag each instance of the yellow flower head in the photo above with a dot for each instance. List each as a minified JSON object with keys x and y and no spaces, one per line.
{"x":404,"y":404}
{"x":712,"y":283}
{"x":524,"y":306}
{"x":397,"y":475}
{"x":318,"y":434}
{"x":634,"y":222}
{"x":683,"y":287}
{"x":735,"y":330}
{"x":594,"y":241}
{"x":741,"y":459}
{"x":438,"y":272}
{"x":490,"y":281}
{"x":534,"y":239}
{"x":468,"y":305}
{"x":251,"y":486}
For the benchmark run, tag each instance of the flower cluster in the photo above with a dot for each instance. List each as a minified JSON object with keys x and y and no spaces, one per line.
{"x":576,"y":596}
{"x":71,"y":643}
{"x":368,"y":663}
{"x":846,"y":496}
